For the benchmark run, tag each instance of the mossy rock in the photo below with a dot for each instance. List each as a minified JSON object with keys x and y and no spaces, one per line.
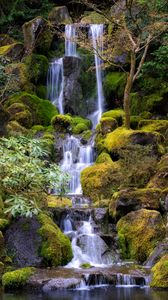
{"x":122,"y":137}
{"x":117,"y":114}
{"x":100,"y":180}
{"x":128,"y":200}
{"x":103,"y":158}
{"x":59,"y":15}
{"x":12,"y":51}
{"x":134,"y":122}
{"x":24,"y":118}
{"x":86,"y":135}
{"x":41,"y":91}
{"x":114,"y":84}
{"x":61,"y":123}
{"x":79,"y":124}
{"x":16,"y":108}
{"x":159,"y":180}
{"x":19,"y":80}
{"x":4,"y":118}
{"x":58,"y":202}
{"x":37,"y":129}
{"x":79,"y":128}
{"x":37,"y":67}
{"x":94,"y":18}
{"x":17,"y":279}
{"x":160,"y":273}
{"x":107,"y":124}
{"x":160,"y":126}
{"x":42,"y":110}
{"x":139,"y":232}
{"x":56,"y":247}
{"x":15,"y":129}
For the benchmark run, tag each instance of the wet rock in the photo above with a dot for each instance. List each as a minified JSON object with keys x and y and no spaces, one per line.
{"x":100,"y":214}
{"x":61,"y":283}
{"x":72,"y":88}
{"x":60,"y":15}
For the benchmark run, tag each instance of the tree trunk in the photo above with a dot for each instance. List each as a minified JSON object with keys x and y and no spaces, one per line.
{"x":127,"y":91}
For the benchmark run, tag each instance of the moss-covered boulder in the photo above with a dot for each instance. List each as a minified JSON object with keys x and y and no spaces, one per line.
{"x":160,"y":273}
{"x":13,"y":51}
{"x":20,"y":113}
{"x":129,"y":200}
{"x":94,"y":18}
{"x":160,"y":126}
{"x":15,"y":280}
{"x":67,"y":123}
{"x":59,"y":15}
{"x":114,"y":84}
{"x":61,"y":123}
{"x":117,"y":114}
{"x":139,"y":232}
{"x":37,"y":36}
{"x":107,"y":124}
{"x":41,"y":110}
{"x":56,"y":247}
{"x":100,"y":180}
{"x":58,"y":202}
{"x":37,"y":67}
{"x":160,"y":179}
{"x":122,"y":137}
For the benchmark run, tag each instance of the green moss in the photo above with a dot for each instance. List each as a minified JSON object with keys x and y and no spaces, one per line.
{"x":160,"y":273}
{"x":160,"y":126}
{"x":79,"y":128}
{"x":61,"y":122}
{"x":13,"y":51}
{"x":49,"y":136}
{"x":94,"y":18}
{"x":114,"y":84}
{"x":100,"y":180}
{"x":42,"y":110}
{"x":117,"y":139}
{"x":58,"y":202}
{"x":159,"y":180}
{"x":38,"y":128}
{"x":107,"y":124}
{"x":76,"y":120}
{"x":4,"y":49}
{"x":86,"y":266}
{"x":41,"y":91}
{"x":86,"y":135}
{"x":134,"y":122}
{"x":56,"y":247}
{"x":24,"y":118}
{"x":149,"y":103}
{"x":103,"y":158}
{"x":17,"y":279}
{"x":117,"y":114}
{"x":139,"y":233}
{"x":37,"y":67}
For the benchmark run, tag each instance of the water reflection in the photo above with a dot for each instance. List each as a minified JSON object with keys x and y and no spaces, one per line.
{"x":106,"y":293}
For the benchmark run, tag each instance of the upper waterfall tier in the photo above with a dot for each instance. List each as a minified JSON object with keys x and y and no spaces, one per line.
{"x":70,"y":40}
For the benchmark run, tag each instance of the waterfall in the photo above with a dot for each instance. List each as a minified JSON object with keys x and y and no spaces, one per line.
{"x":96,"y":32}
{"x":76,"y":157}
{"x":70,"y":44}
{"x":55,"y":84}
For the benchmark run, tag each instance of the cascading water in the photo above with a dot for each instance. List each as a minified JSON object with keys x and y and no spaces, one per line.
{"x":70,"y":44}
{"x":96,"y":32}
{"x":87,"y":246}
{"x":55,"y":84}
{"x":76,"y":157}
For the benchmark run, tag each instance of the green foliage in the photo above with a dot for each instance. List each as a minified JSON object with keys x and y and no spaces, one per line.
{"x":17,"y":279}
{"x":26,"y":176}
{"x":37,"y":66}
{"x":114,"y":84}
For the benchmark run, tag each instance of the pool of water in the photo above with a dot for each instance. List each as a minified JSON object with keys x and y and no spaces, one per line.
{"x":105,"y":293}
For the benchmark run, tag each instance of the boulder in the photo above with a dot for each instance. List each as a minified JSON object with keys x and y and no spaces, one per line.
{"x":107,"y":124}
{"x":100,"y":180}
{"x":37,"y":36}
{"x":59,"y":15}
{"x":37,"y":241}
{"x":139,"y":232}
{"x":160,"y":179}
{"x":160,"y":273}
{"x":129,"y":200}
{"x":72,"y":89}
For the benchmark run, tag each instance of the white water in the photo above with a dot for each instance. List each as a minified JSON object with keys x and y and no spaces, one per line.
{"x":55,"y":84}
{"x":76,"y":157}
{"x":70,"y":43}
{"x":96,"y":32}
{"x":88,"y":247}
